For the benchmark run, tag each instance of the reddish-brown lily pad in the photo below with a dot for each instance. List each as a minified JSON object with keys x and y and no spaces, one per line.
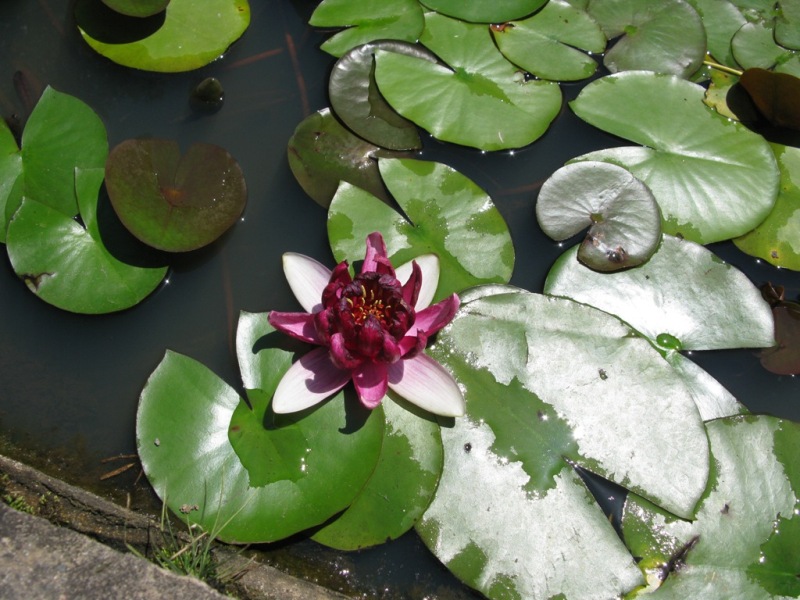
{"x":172,"y":202}
{"x":784,"y":357}
{"x":775,"y":96}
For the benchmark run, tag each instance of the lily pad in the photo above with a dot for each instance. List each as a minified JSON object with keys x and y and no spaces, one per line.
{"x":666,"y":36}
{"x":252,"y":476}
{"x":547,"y":44}
{"x":476,"y":98}
{"x":61,"y":134}
{"x":186,"y":38}
{"x":449,"y":216}
{"x":621,"y":213}
{"x":357,"y":102}
{"x":366,"y":21}
{"x":322,"y":152}
{"x":400,"y":488}
{"x":712,"y":178}
{"x":69,"y":266}
{"x":773,"y":94}
{"x":787,"y":24}
{"x":754,"y":46}
{"x":683,"y":298}
{"x":485,"y":11}
{"x":777,"y":238}
{"x":137,"y":8}
{"x":11,"y":179}
{"x":744,"y":542}
{"x":713,"y":401}
{"x":545,"y":380}
{"x":173,"y":202}
{"x":784,"y":357}
{"x":721,"y":20}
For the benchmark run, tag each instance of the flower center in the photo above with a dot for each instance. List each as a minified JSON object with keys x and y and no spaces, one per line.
{"x":371,"y":302}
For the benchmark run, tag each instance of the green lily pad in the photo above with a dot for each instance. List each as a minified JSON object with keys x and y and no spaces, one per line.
{"x":666,"y":36}
{"x":476,"y":98}
{"x":322,"y":152}
{"x":621,"y":213}
{"x":547,"y":44}
{"x":485,"y":11}
{"x":172,"y":202}
{"x":410,"y":459}
{"x":357,"y":102}
{"x":684,"y":297}
{"x":744,"y":542}
{"x":449,"y":216}
{"x":545,"y":380}
{"x":712,"y":178}
{"x":245,"y":473}
{"x":69,"y":266}
{"x":754,"y":46}
{"x":11,"y":179}
{"x":721,"y":20}
{"x":61,"y":134}
{"x":137,"y":8}
{"x":186,"y":38}
{"x":777,"y":238}
{"x":400,"y":488}
{"x":787,"y":24}
{"x":367,"y":21}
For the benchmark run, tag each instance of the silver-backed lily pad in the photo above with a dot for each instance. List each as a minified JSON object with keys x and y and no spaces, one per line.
{"x":622,"y":215}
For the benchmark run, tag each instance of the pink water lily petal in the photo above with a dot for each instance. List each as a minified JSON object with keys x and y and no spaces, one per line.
{"x":424,"y":382}
{"x":433,"y":318}
{"x":370,"y":379}
{"x":307,"y":278}
{"x":297,"y":325}
{"x":429,"y":265}
{"x":309,"y":381}
{"x":376,"y":258}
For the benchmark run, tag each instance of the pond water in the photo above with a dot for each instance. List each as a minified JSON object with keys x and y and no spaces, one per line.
{"x":69,"y":384}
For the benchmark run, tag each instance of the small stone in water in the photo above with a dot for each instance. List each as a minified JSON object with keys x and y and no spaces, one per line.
{"x":208,"y":96}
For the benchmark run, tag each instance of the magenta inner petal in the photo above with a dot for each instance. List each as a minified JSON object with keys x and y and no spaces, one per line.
{"x":371,"y":383}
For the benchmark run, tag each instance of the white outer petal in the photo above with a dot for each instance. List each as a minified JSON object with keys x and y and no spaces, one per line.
{"x":429,"y":265}
{"x":310,"y":380}
{"x":307,"y":278}
{"x":424,"y":382}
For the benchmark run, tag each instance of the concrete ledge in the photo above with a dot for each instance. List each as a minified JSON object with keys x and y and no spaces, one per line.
{"x":75,"y":550}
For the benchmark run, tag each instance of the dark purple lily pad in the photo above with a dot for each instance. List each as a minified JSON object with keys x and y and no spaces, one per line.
{"x":172,"y":202}
{"x":137,"y":8}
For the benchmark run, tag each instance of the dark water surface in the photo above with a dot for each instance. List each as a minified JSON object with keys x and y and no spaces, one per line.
{"x":69,"y":384}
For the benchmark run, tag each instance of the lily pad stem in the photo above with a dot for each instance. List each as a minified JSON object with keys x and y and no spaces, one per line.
{"x":719,"y":67}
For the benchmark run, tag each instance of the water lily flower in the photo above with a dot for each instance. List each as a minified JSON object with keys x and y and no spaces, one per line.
{"x":371,"y":329}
